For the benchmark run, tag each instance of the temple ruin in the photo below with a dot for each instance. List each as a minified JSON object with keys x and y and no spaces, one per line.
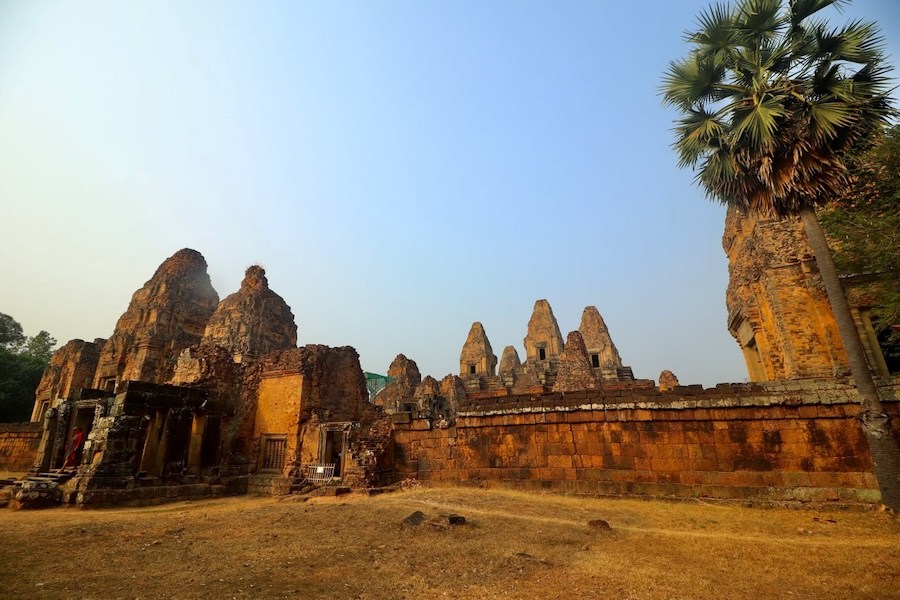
{"x":192,"y":397}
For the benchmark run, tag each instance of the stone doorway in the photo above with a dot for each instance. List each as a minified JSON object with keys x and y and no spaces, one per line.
{"x":333,"y":447}
{"x":83,"y":417}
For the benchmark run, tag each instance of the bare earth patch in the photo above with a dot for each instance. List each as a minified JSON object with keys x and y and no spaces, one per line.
{"x":514,"y":545}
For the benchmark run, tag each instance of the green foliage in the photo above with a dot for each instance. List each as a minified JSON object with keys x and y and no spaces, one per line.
{"x":864,"y":225}
{"x":40,"y":346}
{"x":11,"y":336}
{"x":771,"y":99}
{"x":19,"y":378}
{"x":22,"y":363}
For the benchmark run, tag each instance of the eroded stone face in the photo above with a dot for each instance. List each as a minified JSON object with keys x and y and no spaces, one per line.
{"x":405,"y":372}
{"x":509,"y":361}
{"x":253,"y":321}
{"x":428,"y":388}
{"x":575,"y":371}
{"x":400,"y":393}
{"x":70,"y":370}
{"x":544,"y":342}
{"x":169,"y":313}
{"x":597,"y":339}
{"x":667,"y":381}
{"x":477,"y":356}
{"x":452,"y":389}
{"x":778,"y":310}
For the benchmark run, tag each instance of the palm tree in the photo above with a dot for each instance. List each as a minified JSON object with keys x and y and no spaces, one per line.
{"x":771,"y":98}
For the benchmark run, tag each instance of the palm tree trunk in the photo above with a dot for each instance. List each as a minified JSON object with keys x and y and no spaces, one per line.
{"x":875,"y":422}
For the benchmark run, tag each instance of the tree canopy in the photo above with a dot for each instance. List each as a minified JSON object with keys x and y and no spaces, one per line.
{"x":864,"y":224}
{"x":771,"y":98}
{"x":22,"y":363}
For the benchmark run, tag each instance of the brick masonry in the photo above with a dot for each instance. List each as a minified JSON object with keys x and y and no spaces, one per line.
{"x":792,"y":440}
{"x":19,"y":445}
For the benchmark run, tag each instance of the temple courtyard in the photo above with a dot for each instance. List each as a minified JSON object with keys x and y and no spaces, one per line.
{"x":512,"y":545}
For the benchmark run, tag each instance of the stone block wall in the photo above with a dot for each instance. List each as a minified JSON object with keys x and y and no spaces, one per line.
{"x":19,"y":445}
{"x":778,"y":441}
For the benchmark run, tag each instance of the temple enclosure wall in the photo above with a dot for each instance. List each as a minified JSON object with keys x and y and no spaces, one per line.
{"x":18,"y":445}
{"x":787,"y":440}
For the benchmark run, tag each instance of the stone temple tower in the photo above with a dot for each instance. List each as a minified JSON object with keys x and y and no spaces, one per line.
{"x":477,"y":357}
{"x":544,"y":342}
{"x":602,"y":352}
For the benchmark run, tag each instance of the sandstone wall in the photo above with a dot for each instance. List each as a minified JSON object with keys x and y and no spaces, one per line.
{"x":778,"y":310}
{"x":19,"y":445}
{"x":778,"y":441}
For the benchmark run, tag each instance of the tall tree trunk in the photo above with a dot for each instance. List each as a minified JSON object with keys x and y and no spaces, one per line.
{"x":875,"y":422}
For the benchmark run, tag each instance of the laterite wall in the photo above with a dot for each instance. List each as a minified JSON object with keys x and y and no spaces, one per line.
{"x":794,"y":440}
{"x":19,"y":445}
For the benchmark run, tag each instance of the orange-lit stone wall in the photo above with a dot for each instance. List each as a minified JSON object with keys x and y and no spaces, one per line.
{"x":776,"y":441}
{"x":18,"y":445}
{"x":778,"y":310}
{"x":278,"y":409}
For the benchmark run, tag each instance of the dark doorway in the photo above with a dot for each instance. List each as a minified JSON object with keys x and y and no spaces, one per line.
{"x":334,"y":451}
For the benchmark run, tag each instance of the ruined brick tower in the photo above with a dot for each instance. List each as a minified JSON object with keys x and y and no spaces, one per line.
{"x":168,"y":314}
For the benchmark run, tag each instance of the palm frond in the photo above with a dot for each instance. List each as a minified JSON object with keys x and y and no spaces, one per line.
{"x":825,"y":118}
{"x":754,"y":123}
{"x":771,"y":97}
{"x":692,"y":81}
{"x":759,"y":20}
{"x":857,"y":42}
{"x":801,"y":10}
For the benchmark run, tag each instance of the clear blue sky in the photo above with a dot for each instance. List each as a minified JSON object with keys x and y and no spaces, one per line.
{"x":401,"y":169}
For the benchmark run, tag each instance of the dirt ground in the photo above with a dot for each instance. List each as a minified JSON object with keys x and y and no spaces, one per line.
{"x":513,"y":545}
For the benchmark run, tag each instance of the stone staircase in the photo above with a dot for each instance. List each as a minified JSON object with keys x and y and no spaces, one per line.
{"x":35,"y":491}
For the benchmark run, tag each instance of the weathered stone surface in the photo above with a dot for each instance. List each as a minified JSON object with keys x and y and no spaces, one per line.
{"x":775,"y":441}
{"x":168,"y":314}
{"x":405,"y":372}
{"x":333,"y":384}
{"x":544,"y":342}
{"x":71,"y":369}
{"x":415,"y":519}
{"x":253,"y":321}
{"x":453,"y":389}
{"x":477,"y":356}
{"x":242,"y":400}
{"x":509,"y":361}
{"x":428,"y":388}
{"x":575,"y":371}
{"x":601,"y":350}
{"x":778,"y":310}
{"x":667,"y":381}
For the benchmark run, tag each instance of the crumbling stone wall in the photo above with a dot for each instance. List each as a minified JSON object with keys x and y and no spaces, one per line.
{"x":71,"y":368}
{"x":781,"y":440}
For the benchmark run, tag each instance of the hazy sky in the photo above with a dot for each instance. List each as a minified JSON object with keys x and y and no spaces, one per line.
{"x":400,"y":169}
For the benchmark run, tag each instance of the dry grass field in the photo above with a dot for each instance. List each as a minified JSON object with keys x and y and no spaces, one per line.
{"x":514,"y":545}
